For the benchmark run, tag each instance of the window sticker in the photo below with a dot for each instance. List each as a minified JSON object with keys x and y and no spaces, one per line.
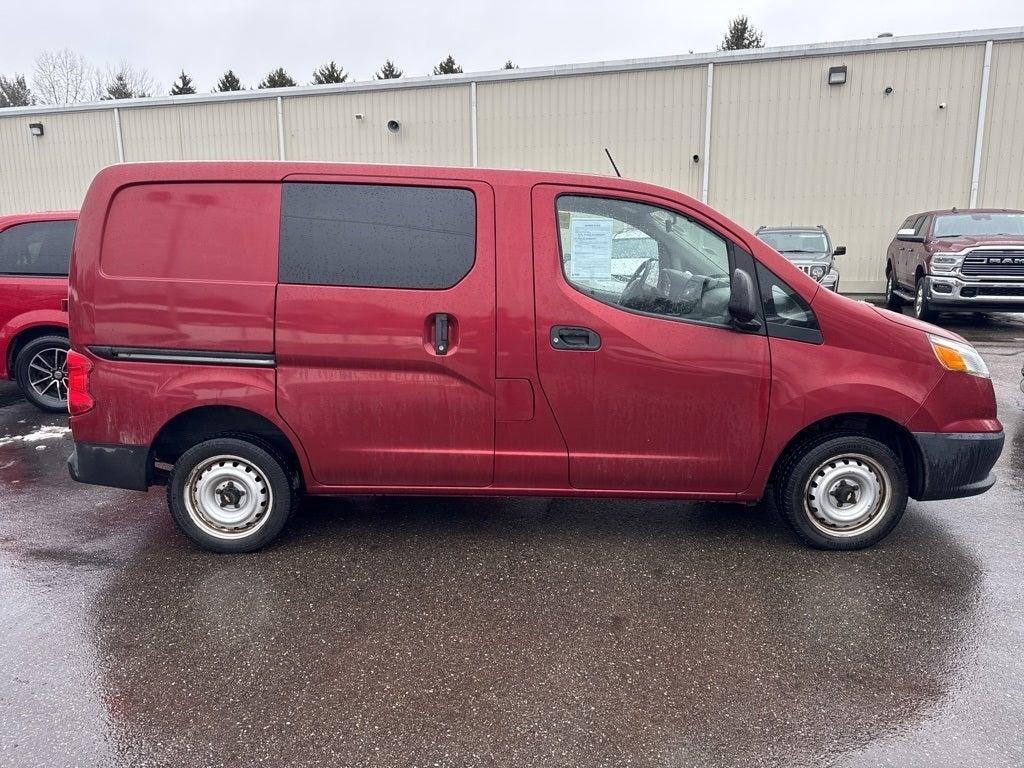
{"x":590,"y":241}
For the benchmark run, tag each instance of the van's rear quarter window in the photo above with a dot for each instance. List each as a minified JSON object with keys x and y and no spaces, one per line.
{"x":376,"y":236}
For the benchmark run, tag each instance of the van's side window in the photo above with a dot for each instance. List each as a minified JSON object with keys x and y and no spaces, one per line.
{"x":644,"y":258}
{"x":37,"y":248}
{"x":786,"y":314}
{"x":378,"y":236}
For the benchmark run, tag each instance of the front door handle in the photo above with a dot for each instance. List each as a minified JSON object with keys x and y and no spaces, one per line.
{"x":574,"y":338}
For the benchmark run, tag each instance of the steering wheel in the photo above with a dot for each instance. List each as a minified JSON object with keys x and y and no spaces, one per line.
{"x":637,"y":284}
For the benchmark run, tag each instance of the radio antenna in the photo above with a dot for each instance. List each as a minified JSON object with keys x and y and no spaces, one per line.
{"x":612,"y":161}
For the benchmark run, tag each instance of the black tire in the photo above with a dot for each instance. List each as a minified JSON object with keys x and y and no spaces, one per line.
{"x":922,"y":306}
{"x":32,"y":379}
{"x":892,"y":301}
{"x":269,"y":472}
{"x":810,"y":459}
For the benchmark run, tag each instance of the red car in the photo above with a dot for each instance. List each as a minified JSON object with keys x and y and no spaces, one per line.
{"x":248,"y":332}
{"x":34,"y":252}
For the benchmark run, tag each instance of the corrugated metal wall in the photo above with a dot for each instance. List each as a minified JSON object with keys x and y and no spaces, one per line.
{"x":234,"y":130}
{"x":53,"y":171}
{"x":435,"y":126}
{"x":651,"y":121}
{"x":1002,"y":163}
{"x":790,"y":149}
{"x":786,"y":148}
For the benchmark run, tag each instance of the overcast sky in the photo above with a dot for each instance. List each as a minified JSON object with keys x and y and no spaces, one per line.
{"x":252,"y":37}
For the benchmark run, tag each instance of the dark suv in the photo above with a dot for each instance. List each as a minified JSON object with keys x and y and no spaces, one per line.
{"x":969,"y":260}
{"x":809,"y":248}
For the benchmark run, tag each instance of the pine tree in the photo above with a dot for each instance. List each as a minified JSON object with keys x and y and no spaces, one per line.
{"x":329,"y":73}
{"x":741,"y":34}
{"x":277,"y":78}
{"x":118,"y":88}
{"x":183,"y":85}
{"x":447,"y":67}
{"x":510,"y":65}
{"x":229,"y":82}
{"x":388,"y":72}
{"x":14,"y":92}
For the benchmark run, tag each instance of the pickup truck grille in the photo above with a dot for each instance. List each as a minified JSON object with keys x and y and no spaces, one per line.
{"x":993,"y":264}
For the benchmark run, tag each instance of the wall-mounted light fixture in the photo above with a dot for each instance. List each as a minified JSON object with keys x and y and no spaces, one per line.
{"x":394,"y":126}
{"x":36,"y":129}
{"x":837,"y":75}
{"x":358,"y":115}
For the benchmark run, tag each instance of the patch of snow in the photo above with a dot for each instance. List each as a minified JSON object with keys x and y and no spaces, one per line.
{"x":43,"y":433}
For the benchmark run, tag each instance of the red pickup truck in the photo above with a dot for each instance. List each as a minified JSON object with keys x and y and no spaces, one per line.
{"x":966,"y":260}
{"x":247,"y":332}
{"x":34,"y":252}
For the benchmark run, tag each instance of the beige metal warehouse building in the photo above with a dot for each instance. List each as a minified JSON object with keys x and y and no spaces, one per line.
{"x":921,"y":122}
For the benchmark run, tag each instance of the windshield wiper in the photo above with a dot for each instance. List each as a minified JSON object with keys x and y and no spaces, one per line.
{"x":798,"y":250}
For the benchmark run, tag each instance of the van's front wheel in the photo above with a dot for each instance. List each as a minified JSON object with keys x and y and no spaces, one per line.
{"x":231,"y":495}
{"x":842,"y":491}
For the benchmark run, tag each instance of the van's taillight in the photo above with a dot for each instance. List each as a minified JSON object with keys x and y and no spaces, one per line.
{"x":79,"y":399}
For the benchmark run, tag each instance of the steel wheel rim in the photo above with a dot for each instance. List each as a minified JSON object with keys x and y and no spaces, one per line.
{"x":228,"y":497}
{"x":48,"y":374}
{"x":847,"y":495}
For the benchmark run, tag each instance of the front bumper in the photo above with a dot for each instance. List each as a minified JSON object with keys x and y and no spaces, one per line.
{"x":956,"y":464}
{"x":952,"y":291}
{"x":117,"y":466}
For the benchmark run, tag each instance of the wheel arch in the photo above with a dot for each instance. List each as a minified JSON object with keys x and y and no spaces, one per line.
{"x":26,"y":336}
{"x":885,"y":430}
{"x":205,"y":422}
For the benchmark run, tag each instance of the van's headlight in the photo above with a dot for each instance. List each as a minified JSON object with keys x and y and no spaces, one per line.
{"x":957,"y":356}
{"x":818,"y":271}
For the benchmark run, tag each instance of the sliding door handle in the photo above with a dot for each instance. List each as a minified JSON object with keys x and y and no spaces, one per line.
{"x":574,"y":338}
{"x":441,"y":335}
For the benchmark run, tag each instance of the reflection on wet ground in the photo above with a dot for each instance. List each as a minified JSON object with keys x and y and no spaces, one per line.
{"x":407,"y":631}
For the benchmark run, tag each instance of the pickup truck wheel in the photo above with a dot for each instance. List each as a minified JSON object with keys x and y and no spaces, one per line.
{"x":922,"y":306}
{"x":41,"y":370}
{"x":892,"y":300}
{"x":231,"y":495}
{"x":844,"y":491}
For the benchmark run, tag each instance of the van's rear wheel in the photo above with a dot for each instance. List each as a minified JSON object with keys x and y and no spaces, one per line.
{"x":841,"y":491}
{"x":41,"y":370}
{"x":231,"y":495}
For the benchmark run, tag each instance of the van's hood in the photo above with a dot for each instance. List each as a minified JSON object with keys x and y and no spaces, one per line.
{"x":913,"y":322}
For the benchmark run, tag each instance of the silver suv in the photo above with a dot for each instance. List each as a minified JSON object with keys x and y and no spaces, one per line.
{"x":809,"y":248}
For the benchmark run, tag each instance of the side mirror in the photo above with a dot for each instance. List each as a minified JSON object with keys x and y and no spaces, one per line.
{"x":839,"y":251}
{"x":743,"y":302}
{"x":908,"y":235}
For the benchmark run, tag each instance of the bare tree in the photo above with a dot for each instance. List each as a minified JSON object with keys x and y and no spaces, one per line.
{"x":63,"y":77}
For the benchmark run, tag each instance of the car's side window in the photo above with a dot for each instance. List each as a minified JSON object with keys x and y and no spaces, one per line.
{"x":921,"y":226}
{"x":376,"y":235}
{"x":40,"y":248}
{"x":644,"y":258}
{"x":786,"y":314}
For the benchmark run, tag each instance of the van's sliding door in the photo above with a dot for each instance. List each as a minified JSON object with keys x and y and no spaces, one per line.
{"x":385,"y":338}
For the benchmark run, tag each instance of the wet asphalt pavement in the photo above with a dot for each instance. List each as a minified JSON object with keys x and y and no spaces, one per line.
{"x":508,"y":632}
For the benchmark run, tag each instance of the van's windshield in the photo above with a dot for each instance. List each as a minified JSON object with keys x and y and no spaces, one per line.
{"x":979,"y":224}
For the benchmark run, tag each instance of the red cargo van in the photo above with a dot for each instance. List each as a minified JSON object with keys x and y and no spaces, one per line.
{"x":34,"y":253}
{"x":247,"y":332}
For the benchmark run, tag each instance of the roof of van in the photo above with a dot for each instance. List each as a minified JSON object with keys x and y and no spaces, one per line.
{"x":966,"y":210}
{"x":268,"y":170}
